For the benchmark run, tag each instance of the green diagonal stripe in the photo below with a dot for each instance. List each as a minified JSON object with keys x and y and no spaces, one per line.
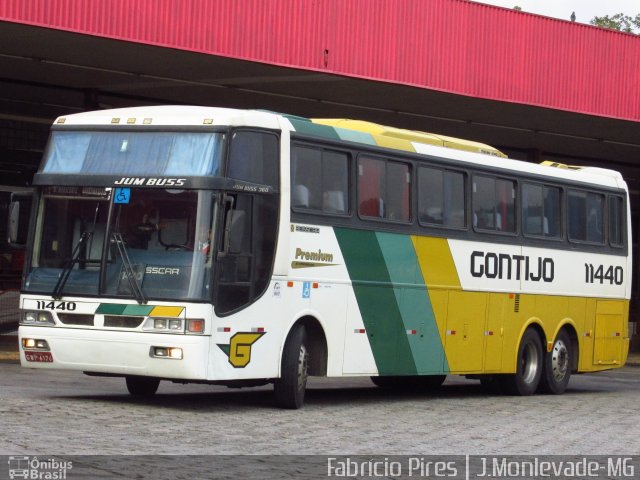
{"x":138,"y":310}
{"x":110,"y":309}
{"x":413,"y":300}
{"x":377,"y":301}
{"x":305,"y":126}
{"x":124,"y":309}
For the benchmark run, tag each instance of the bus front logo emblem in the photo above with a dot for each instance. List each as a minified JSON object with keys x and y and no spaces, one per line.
{"x":239,"y":348}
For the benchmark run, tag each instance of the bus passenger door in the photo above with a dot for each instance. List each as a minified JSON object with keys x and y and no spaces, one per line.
{"x":464,"y":337}
{"x":248,"y":229}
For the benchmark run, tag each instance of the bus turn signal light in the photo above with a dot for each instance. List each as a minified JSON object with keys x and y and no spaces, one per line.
{"x":195,"y":325}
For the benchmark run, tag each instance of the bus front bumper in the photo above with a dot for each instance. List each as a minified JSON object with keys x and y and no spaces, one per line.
{"x":116,"y":352}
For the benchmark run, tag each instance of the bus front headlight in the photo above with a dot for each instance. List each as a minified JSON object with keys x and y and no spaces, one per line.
{"x":36,"y":317}
{"x":164,"y":325}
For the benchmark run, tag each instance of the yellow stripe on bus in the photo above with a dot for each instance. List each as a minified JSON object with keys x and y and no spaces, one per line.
{"x":164,"y":311}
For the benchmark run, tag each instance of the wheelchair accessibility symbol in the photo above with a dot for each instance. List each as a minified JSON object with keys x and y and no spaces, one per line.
{"x":122,"y":195}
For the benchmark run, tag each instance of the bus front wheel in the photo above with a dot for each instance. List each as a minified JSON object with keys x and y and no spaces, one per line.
{"x":142,"y":386}
{"x":528,"y":368}
{"x":290,"y":388}
{"x":557,"y":366}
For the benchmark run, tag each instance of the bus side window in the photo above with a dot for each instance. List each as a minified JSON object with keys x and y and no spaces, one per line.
{"x":371,"y":179}
{"x":494,"y":204}
{"x":383,"y":189}
{"x":595,"y":218}
{"x":306,"y":178}
{"x":254,"y":157}
{"x":441,"y":196}
{"x":541,"y":210}
{"x":335,"y":182}
{"x":585,"y":216}
{"x":320,"y":180}
{"x":552,"y":212}
{"x":616,"y":221}
{"x":397,"y":191}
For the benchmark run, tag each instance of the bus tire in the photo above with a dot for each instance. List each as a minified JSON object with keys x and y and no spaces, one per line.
{"x":290,"y":388}
{"x":528,"y":366}
{"x":142,"y":386}
{"x":557,"y":365}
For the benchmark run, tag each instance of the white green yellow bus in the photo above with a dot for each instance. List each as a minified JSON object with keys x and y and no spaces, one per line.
{"x":245,"y":247}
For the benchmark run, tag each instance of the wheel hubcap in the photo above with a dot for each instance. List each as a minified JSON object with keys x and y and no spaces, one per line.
{"x":529,"y":363}
{"x":559,"y":361}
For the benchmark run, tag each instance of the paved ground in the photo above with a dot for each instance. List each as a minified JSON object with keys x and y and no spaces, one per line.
{"x":58,"y":413}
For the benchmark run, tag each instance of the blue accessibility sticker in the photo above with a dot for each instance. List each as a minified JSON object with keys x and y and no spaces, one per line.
{"x":122,"y":195}
{"x":306,"y":290}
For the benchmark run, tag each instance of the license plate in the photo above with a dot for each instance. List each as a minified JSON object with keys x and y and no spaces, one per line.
{"x":39,"y":357}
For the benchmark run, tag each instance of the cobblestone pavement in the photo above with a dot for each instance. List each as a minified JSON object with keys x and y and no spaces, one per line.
{"x":67,"y":413}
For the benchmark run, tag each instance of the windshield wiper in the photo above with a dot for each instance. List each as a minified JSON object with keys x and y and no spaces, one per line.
{"x":66,"y":271}
{"x":128,"y":267}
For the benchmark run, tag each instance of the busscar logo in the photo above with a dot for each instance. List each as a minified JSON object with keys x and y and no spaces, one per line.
{"x":239,"y":348}
{"x":162,"y":270}
{"x":151,"y":182}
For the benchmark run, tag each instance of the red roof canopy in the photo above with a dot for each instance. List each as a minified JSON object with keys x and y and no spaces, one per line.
{"x":449,"y":45}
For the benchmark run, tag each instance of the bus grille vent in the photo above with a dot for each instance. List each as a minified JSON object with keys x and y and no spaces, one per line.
{"x":516,"y":304}
{"x":76,"y":319}
{"x":122,"y":321}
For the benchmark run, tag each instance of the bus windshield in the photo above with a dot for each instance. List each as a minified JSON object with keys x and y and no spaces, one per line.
{"x":154,"y":245}
{"x":133,"y":153}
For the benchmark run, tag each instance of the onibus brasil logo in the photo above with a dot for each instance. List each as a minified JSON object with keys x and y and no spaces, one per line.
{"x":35,"y":469}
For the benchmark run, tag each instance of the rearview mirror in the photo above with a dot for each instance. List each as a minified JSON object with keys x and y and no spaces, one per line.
{"x":18,"y":219}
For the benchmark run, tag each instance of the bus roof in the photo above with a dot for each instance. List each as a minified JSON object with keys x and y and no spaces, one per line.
{"x":433,"y":145}
{"x":392,"y":136}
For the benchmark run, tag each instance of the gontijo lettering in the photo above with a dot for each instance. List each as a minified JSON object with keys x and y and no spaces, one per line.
{"x":507,"y":267}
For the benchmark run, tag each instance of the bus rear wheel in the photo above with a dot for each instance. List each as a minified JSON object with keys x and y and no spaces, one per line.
{"x":557,"y":366}
{"x":528,"y":368}
{"x":290,"y":388}
{"x":142,"y":386}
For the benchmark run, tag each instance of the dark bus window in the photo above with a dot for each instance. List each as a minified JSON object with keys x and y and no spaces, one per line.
{"x":585,"y":217}
{"x":383,"y":189}
{"x":541,"y":211}
{"x":494,"y":204}
{"x":320,"y":180}
{"x":254,"y":157}
{"x":441,"y":196}
{"x":616,"y":221}
{"x":245,"y":262}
